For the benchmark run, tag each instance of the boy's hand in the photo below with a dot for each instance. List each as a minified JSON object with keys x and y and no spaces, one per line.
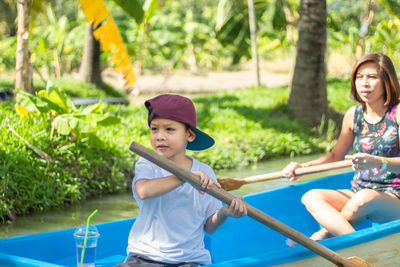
{"x":236,"y":209}
{"x":205,"y":181}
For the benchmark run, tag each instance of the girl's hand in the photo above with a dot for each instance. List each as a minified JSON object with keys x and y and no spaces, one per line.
{"x":205,"y":181}
{"x":288,"y":171}
{"x":236,"y":209}
{"x":364,"y":161}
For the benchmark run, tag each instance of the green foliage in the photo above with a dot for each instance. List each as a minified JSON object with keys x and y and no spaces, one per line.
{"x":57,"y":43}
{"x":253,"y":125}
{"x":77,"y":171}
{"x":66,"y":119}
{"x":349,"y":29}
{"x":8,"y":48}
{"x":385,"y":38}
{"x":338,"y":90}
{"x":393,"y":6}
{"x":272,"y":26}
{"x":133,"y":8}
{"x":175,"y":35}
{"x":248,"y":125}
{"x":202,"y":35}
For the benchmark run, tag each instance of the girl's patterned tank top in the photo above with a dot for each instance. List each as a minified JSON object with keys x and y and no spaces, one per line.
{"x":380,"y":139}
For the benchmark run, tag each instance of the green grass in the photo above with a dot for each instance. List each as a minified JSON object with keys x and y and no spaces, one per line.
{"x":248,"y":125}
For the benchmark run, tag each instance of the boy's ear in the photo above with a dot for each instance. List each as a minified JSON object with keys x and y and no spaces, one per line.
{"x":191,"y":136}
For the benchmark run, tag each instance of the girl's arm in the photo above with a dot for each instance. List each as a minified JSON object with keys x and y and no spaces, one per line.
{"x":392,"y":164}
{"x":236,"y":209}
{"x":341,"y":148}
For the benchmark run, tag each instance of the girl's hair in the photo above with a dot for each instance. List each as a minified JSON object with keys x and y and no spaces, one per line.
{"x":387,"y":74}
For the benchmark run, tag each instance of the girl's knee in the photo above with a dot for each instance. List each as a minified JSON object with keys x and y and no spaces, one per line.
{"x":359,"y":205}
{"x":311,"y":197}
{"x":365,"y":196}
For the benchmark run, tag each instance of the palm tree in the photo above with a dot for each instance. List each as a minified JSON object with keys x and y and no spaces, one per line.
{"x":90,"y":70}
{"x":106,"y":31}
{"x":23,"y":78}
{"x":308,"y":97}
{"x":8,"y":15}
{"x":102,"y":29}
{"x":253,"y":35}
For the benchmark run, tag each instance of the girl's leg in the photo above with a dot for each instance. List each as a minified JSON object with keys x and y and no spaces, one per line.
{"x":326,"y":206}
{"x":377,"y":206}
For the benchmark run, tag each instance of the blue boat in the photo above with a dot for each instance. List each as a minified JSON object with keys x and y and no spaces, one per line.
{"x":239,"y":242}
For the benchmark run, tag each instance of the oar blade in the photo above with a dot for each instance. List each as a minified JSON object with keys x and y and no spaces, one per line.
{"x":230,"y":183}
{"x":357,"y":262}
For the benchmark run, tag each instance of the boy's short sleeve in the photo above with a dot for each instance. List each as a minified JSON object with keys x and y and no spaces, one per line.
{"x":143,"y":170}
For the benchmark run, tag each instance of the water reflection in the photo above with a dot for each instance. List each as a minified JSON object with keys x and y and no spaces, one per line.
{"x":123,"y":206}
{"x":113,"y":207}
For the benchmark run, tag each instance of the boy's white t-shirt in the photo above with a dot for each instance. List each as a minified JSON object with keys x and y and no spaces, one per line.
{"x":170,"y":228}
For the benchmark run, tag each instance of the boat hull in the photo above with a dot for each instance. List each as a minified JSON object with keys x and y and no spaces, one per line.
{"x":382,"y":252}
{"x":239,"y":242}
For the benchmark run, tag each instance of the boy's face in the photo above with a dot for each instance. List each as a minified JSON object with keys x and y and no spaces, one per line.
{"x":169,"y":138}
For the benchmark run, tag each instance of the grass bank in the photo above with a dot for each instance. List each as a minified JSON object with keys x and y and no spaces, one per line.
{"x":248,"y":126}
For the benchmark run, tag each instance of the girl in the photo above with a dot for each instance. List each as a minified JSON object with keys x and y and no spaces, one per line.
{"x":372,"y":128}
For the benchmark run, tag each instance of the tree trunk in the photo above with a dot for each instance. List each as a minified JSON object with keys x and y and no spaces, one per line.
{"x":253,"y":35}
{"x":22,"y":70}
{"x":308,"y":98}
{"x":90,"y":70}
{"x":9,"y":15}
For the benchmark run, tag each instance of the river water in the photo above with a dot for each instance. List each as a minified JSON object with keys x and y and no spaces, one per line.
{"x":122,"y":206}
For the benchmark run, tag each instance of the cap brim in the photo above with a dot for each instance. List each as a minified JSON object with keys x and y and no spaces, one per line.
{"x":201,"y":142}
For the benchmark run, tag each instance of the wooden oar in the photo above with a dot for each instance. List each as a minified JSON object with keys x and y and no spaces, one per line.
{"x":235,"y":183}
{"x":254,"y":213}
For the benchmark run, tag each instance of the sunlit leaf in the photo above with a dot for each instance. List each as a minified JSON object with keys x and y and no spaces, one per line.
{"x":80,"y":125}
{"x":67,"y":118}
{"x":92,"y":108}
{"x":59,"y":98}
{"x":109,"y":120}
{"x":150,"y":7}
{"x":21,"y":111}
{"x":133,"y":8}
{"x":393,"y":6}
{"x":108,"y":35}
{"x":27,"y":101}
{"x":61,"y":125}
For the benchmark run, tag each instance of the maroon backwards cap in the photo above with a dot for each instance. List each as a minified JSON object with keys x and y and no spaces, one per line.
{"x":178,"y":108}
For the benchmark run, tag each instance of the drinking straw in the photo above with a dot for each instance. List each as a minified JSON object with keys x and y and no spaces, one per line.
{"x":84,"y":241}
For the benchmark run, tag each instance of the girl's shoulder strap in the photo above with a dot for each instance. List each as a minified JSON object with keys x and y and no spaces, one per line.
{"x":358,"y":109}
{"x":357,"y":112}
{"x":350,"y":117}
{"x":396,"y":114}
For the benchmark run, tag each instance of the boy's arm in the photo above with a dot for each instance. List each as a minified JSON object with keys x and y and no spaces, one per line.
{"x":148,"y":188}
{"x":236,"y":209}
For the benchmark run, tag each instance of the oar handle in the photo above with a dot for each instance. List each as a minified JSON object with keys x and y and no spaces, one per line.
{"x":300,"y":171}
{"x":226,"y":197}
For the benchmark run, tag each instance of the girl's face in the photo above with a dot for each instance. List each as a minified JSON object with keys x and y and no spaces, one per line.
{"x":369,"y":84}
{"x":169,"y":138}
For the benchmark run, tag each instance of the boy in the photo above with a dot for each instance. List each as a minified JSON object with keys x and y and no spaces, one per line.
{"x":173,"y":216}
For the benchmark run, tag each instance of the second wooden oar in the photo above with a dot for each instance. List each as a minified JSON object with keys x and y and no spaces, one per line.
{"x":235,"y":183}
{"x":254,"y":213}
